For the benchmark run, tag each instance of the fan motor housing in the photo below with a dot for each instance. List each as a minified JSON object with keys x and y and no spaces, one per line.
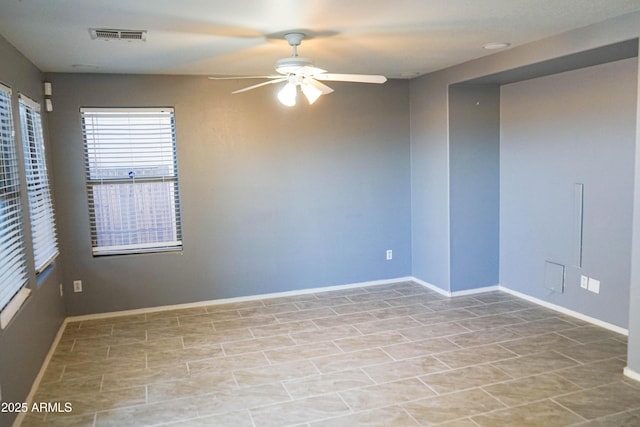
{"x":292,"y":64}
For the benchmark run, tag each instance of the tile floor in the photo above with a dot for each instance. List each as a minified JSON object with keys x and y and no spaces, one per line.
{"x":392,"y":355}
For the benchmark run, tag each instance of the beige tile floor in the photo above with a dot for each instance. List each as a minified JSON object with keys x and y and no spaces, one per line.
{"x":391,"y":355}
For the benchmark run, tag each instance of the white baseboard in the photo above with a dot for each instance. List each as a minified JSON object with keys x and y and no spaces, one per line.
{"x":560,"y":309}
{"x":455,"y":293}
{"x":237,"y":299}
{"x":630,"y":373}
{"x":427,"y":285}
{"x":475,"y":291}
{"x":36,"y":383}
{"x":568,"y":312}
{"x":432,"y":287}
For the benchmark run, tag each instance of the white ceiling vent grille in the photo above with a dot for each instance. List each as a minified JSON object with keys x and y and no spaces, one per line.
{"x":111,"y":34}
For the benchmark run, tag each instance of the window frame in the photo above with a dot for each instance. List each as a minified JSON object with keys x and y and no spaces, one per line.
{"x":95,"y":141}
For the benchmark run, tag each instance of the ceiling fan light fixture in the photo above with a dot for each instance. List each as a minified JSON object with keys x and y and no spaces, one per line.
{"x":287,"y":95}
{"x":298,"y":71}
{"x":310,"y":92}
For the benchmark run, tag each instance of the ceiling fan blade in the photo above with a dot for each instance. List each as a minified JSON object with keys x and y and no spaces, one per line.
{"x":320,"y":86}
{"x":356,"y":78}
{"x":243,"y":77}
{"x":268,"y":82}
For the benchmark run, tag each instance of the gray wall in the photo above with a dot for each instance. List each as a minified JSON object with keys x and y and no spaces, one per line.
{"x":474,"y":167}
{"x":574,"y":127}
{"x":430,"y":181}
{"x":27,"y":339}
{"x":430,"y":149}
{"x":633,"y":359}
{"x":273,"y":198}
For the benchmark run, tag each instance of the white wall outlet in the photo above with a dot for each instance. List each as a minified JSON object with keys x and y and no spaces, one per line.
{"x":584,"y":282}
{"x":61,"y":290}
{"x":594,"y":285}
{"x":389,"y":254}
{"x":77,"y":286}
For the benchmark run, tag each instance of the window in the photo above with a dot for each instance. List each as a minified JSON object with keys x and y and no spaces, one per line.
{"x":13,"y":266}
{"x":43,"y":229}
{"x":132,"y":180}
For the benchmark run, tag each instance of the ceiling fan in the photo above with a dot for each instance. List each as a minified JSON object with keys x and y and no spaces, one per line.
{"x":298,"y":71}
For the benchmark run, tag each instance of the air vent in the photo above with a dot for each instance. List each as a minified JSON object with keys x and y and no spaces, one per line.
{"x":110,"y":34}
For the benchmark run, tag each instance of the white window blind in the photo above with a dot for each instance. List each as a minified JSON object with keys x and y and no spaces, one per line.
{"x":43,"y":229}
{"x":132,"y":179}
{"x":13,"y":268}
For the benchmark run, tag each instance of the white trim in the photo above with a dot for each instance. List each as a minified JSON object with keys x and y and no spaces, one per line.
{"x":138,"y":248}
{"x":455,"y":293}
{"x":237,"y":299}
{"x":563,"y":310}
{"x":127,"y":110}
{"x":5,"y":88}
{"x":475,"y":291}
{"x":45,"y":364}
{"x":31,"y":103}
{"x":431,"y":287}
{"x":13,"y":306}
{"x":427,"y":285}
{"x":630,"y":373}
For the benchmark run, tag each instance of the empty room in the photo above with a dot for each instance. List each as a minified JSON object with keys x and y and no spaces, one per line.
{"x":356,"y":213}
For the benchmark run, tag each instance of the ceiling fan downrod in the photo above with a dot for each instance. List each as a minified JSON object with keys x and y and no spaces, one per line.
{"x":294,"y":40}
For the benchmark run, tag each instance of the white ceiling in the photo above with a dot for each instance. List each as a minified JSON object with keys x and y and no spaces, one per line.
{"x":396,"y":38}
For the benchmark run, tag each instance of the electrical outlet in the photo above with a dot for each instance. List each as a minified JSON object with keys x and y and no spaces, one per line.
{"x":389,"y":254}
{"x":584,"y":282}
{"x":594,"y":285}
{"x":61,"y":290}
{"x":77,"y":286}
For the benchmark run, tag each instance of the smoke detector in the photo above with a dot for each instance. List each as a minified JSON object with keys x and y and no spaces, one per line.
{"x":114,"y":34}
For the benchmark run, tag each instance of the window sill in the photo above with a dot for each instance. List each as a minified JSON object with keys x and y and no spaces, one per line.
{"x":111,"y":251}
{"x":12,"y":308}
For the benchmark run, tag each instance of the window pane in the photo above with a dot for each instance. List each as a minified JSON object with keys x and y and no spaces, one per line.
{"x":13,"y":267}
{"x":132,"y":180}
{"x":131,"y":215}
{"x":43,"y":229}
